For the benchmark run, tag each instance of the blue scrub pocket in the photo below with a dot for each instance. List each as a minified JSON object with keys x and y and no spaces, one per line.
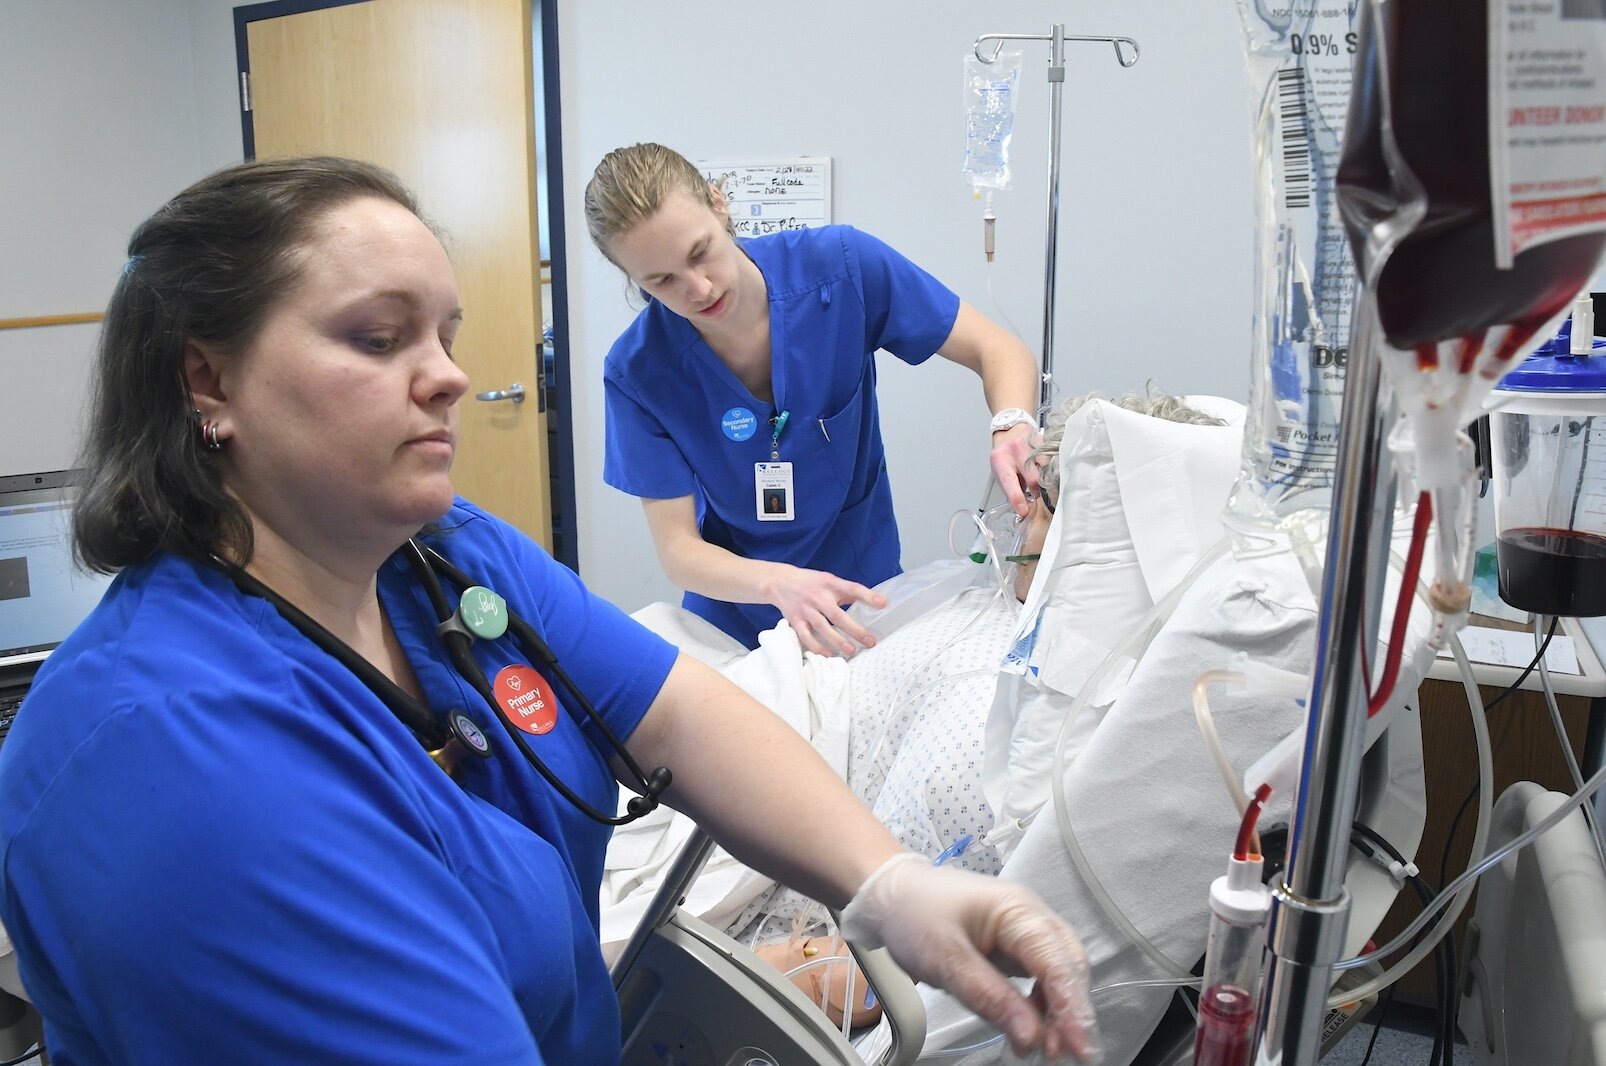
{"x":846,"y":439}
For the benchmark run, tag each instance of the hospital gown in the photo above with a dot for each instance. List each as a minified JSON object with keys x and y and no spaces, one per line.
{"x":935,"y":677}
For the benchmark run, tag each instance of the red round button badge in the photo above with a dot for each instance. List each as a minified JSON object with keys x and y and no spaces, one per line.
{"x":525,"y":697}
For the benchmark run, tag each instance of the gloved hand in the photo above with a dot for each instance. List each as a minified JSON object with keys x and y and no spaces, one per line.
{"x":945,"y":927}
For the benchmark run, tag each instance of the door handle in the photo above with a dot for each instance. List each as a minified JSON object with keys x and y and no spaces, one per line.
{"x":514,"y":392}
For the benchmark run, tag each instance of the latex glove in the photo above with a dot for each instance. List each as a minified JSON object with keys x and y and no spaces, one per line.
{"x":811,"y":600}
{"x":945,"y":927}
{"x":1013,"y":465}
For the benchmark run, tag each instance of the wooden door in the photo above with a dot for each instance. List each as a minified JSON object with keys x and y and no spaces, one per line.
{"x":440,"y":92}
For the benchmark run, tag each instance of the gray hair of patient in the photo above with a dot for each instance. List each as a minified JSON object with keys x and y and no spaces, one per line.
{"x":209,"y":266}
{"x":1150,"y":402}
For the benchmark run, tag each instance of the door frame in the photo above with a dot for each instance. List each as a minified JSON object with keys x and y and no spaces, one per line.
{"x":559,"y":386}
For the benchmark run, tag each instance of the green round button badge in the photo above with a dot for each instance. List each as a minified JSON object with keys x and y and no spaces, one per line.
{"x":483,"y":612}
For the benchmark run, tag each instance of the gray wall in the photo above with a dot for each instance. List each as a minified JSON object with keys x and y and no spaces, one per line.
{"x":108,"y":107}
{"x":98,"y":129}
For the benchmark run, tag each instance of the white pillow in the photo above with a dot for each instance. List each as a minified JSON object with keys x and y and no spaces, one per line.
{"x":1139,"y":505}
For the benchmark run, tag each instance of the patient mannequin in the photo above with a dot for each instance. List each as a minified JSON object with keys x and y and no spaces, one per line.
{"x":919,"y":702}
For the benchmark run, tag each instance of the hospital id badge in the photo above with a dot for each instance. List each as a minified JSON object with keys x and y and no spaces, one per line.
{"x":772,"y":483}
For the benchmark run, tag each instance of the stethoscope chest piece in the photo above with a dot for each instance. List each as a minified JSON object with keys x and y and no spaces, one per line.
{"x":469,"y":734}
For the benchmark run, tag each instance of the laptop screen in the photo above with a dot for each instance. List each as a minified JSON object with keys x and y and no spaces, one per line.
{"x":43,"y":596}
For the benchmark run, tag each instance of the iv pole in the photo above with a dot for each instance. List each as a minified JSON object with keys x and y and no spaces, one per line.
{"x":1056,"y":81}
{"x":1310,"y":905}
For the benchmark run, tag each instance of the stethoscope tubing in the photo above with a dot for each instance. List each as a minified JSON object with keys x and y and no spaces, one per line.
{"x":417,"y":718}
{"x":429,"y":565}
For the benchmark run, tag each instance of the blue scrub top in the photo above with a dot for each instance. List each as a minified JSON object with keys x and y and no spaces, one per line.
{"x":681,"y":424}
{"x":220,"y":847}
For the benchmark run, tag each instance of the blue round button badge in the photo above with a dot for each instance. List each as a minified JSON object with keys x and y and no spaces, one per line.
{"x":738,"y":424}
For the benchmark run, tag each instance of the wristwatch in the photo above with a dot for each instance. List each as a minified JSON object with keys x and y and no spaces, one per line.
{"x":1012,"y":416}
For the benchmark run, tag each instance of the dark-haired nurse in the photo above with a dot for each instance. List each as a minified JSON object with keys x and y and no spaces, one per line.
{"x":749,"y":379}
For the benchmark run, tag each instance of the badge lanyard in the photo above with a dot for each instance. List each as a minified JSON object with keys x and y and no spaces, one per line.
{"x":772,"y":481}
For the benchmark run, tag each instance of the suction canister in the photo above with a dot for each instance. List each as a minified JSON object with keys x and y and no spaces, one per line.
{"x":1548,"y":436}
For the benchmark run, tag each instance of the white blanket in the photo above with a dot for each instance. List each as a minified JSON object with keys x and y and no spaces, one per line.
{"x":1148,"y":807}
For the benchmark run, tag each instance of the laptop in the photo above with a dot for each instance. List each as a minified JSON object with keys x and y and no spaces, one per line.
{"x":43,"y":596}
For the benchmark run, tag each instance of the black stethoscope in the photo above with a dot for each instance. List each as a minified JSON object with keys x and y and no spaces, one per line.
{"x":460,"y":732}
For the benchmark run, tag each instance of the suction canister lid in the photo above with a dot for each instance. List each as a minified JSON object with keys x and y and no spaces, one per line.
{"x":1554,"y":384}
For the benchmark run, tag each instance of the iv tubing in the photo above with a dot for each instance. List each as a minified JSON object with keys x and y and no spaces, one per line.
{"x":1561,"y":737}
{"x":1466,"y":884}
{"x":825,"y":988}
{"x":1245,"y":847}
{"x":1142,"y":633}
{"x":1207,"y":728}
{"x":1469,"y":878}
{"x":1480,"y":837}
{"x":1402,"y":607}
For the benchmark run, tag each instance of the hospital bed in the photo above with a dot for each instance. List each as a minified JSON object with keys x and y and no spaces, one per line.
{"x":1535,"y":985}
{"x":1155,"y":859}
{"x":690,"y":995}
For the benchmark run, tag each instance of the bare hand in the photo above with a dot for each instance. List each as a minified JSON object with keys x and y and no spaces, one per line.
{"x":1014,"y":467}
{"x":944,"y":926}
{"x":812,"y":601}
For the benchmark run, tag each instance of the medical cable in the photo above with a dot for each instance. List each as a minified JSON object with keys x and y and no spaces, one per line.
{"x":1377,"y":1026}
{"x":1374,"y":846}
{"x":1378,"y":699}
{"x":425,"y":562}
{"x":1566,"y":745}
{"x":1462,"y":888}
{"x":1128,"y":650}
{"x":1472,"y":873}
{"x":924,"y":690}
{"x":1101,"y":895}
{"x":1409,"y":583}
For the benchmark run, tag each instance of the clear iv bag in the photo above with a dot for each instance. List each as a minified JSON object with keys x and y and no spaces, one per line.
{"x":1298,"y":59}
{"x":991,"y":90}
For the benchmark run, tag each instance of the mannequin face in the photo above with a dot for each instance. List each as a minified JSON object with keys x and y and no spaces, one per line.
{"x":1038,"y":520}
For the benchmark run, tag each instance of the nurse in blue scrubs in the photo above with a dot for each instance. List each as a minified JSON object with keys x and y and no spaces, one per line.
{"x":741,"y":402}
{"x":234,"y":827}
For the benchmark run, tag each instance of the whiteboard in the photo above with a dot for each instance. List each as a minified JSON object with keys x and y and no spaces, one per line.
{"x":773,"y":195}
